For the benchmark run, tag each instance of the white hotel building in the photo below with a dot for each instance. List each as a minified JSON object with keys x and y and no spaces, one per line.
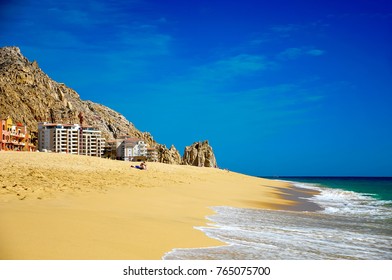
{"x":131,"y":148}
{"x":70,"y":138}
{"x":128,"y":148}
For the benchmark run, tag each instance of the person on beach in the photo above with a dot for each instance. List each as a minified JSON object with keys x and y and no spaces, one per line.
{"x":142,"y":166}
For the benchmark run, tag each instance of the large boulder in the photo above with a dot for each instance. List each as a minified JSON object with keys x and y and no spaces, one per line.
{"x":199,"y":154}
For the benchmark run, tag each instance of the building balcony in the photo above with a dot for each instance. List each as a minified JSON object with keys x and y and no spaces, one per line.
{"x":20,"y":135}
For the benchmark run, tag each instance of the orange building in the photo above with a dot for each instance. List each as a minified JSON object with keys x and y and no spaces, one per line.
{"x":15,"y":137}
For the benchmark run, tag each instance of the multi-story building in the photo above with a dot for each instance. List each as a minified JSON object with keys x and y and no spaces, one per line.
{"x":91,"y":142}
{"x":110,"y":149}
{"x":70,"y":138}
{"x":5,"y":134}
{"x":15,"y":137}
{"x":152,"y":154}
{"x":130,"y":149}
{"x":58,"y":138}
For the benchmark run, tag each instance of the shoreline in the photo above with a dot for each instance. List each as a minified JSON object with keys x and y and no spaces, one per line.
{"x":292,"y":193}
{"x":301,"y":197}
{"x":79,"y":207}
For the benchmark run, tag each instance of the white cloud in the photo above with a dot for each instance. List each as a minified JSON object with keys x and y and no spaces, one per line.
{"x":232,"y":67}
{"x":315,"y":52}
{"x":290,"y":53}
{"x":145,"y":44}
{"x":294,"y":53}
{"x":285,"y":29}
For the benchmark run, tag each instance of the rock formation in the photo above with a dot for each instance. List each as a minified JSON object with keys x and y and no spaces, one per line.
{"x":165,"y":155}
{"x":29,"y":96}
{"x":199,"y":154}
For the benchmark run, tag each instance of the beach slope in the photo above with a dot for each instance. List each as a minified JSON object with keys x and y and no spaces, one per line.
{"x":61,"y":206}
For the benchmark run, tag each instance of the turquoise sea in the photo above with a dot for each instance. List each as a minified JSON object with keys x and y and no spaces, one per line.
{"x":355,"y":222}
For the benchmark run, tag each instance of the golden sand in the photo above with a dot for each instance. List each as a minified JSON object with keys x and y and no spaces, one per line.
{"x":61,"y":206}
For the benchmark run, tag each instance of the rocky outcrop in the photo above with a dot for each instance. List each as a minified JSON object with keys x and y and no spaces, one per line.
{"x":165,"y":155}
{"x":29,"y":96}
{"x":199,"y":154}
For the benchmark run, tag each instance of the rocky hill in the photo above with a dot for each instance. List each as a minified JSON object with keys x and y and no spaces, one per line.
{"x":28,"y":95}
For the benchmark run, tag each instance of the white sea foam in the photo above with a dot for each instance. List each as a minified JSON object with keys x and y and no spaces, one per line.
{"x":343,"y":202}
{"x":350,"y":226}
{"x":266,"y":234}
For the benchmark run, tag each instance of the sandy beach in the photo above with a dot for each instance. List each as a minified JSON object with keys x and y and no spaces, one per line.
{"x":61,"y":206}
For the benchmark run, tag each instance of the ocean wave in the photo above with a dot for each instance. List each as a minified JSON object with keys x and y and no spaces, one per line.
{"x":343,"y":202}
{"x":268,"y":234}
{"x":350,"y":226}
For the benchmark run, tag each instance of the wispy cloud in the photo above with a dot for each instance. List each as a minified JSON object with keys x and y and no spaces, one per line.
{"x":290,"y":53}
{"x":90,"y":26}
{"x":213,"y":78}
{"x":315,"y":52}
{"x":285,"y":94}
{"x":283,"y":103}
{"x":370,"y":15}
{"x":294,"y":53}
{"x":285,"y":30}
{"x":232,"y":67}
{"x":110,"y":40}
{"x":142,"y":44}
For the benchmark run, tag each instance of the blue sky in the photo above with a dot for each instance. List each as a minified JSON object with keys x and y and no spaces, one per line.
{"x":277,"y":87}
